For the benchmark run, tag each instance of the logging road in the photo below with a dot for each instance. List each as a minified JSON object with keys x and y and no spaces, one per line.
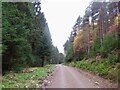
{"x":69,"y":77}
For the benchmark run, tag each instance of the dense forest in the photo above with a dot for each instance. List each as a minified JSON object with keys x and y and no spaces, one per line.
{"x":26,"y":40}
{"x":28,"y":54}
{"x":94,"y":43}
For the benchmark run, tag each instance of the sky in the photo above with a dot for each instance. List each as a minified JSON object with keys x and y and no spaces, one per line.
{"x":61,"y":15}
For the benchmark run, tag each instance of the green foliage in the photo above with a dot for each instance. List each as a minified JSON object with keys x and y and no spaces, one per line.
{"x":69,"y":54}
{"x":31,"y":79}
{"x":113,"y":58}
{"x":106,"y":66}
{"x":103,"y":68}
{"x":95,"y":48}
{"x":55,"y":55}
{"x":26,"y":37}
{"x":109,"y":44}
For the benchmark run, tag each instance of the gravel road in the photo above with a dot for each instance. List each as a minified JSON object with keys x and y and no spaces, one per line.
{"x":69,"y":77}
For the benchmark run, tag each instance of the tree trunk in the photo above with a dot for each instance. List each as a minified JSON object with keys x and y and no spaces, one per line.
{"x":88,"y":41}
{"x":44,"y":59}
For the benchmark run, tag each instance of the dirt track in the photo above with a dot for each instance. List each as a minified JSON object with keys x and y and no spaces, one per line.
{"x":69,"y":77}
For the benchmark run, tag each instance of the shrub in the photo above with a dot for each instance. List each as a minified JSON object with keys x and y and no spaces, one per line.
{"x":69,"y":55}
{"x":109,"y":44}
{"x":113,"y":74}
{"x":103,"y":68}
{"x":112,"y":58}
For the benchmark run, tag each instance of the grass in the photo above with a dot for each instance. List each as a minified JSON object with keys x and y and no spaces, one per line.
{"x":102,"y":68}
{"x":27,"y":79}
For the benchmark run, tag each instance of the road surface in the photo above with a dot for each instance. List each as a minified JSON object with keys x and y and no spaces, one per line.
{"x":69,"y":77}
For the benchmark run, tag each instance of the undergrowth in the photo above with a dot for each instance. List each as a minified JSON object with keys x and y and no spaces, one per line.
{"x":102,"y":68}
{"x":26,"y":79}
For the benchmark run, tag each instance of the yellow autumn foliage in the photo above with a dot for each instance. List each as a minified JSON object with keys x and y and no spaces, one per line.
{"x":117,"y":20}
{"x":81,"y":39}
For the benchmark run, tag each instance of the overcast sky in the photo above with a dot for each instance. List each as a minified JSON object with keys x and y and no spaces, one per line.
{"x":61,"y":16}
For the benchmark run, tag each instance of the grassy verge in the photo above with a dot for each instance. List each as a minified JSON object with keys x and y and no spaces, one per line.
{"x":102,"y":68}
{"x":30,"y":77}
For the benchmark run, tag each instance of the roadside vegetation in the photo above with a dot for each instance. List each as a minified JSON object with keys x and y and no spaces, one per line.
{"x":103,"y":68}
{"x":94,"y":43}
{"x":26,"y":78}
